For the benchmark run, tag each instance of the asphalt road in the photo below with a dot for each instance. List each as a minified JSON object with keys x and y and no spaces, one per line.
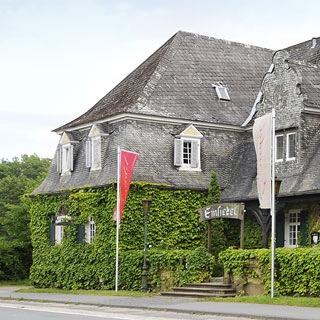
{"x":48,"y":311}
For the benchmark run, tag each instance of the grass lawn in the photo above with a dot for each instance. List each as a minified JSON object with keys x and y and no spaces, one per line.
{"x":88,"y":292}
{"x":288,"y":301}
{"x":24,"y":282}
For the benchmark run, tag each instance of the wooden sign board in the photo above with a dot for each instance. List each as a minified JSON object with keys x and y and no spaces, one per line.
{"x":222,"y":210}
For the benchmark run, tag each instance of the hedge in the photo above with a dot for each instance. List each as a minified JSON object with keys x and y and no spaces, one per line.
{"x":11,"y":266}
{"x":297,"y":270}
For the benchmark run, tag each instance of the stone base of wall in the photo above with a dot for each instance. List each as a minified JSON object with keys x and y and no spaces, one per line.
{"x":247,"y":285}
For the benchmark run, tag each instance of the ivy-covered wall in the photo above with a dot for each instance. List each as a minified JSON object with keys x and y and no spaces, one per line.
{"x":175,"y":234}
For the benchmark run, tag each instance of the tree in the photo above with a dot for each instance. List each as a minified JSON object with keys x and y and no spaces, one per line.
{"x":216,"y":232}
{"x":17,"y":177}
{"x":214,"y":193}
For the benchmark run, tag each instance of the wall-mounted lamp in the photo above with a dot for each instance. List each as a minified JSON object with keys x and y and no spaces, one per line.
{"x":277,"y":186}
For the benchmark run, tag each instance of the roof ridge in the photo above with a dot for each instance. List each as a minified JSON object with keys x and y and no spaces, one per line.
{"x":174,"y":38}
{"x":241,"y":44}
{"x":294,"y":46}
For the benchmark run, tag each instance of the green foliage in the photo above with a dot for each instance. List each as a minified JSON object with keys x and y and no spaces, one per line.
{"x":175,"y":234}
{"x":17,"y":177}
{"x":297,"y":270}
{"x":214,"y":193}
{"x":225,"y":232}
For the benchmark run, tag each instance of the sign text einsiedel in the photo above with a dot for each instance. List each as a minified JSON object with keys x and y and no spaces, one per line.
{"x":222,"y":210}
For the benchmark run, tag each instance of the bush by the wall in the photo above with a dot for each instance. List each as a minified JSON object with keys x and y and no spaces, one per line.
{"x":297,"y":270}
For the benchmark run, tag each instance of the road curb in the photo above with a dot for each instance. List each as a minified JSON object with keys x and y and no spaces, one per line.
{"x":176,"y":310}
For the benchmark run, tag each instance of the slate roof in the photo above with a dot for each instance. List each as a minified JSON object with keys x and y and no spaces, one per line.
{"x":176,"y":81}
{"x":307,"y":52}
{"x":305,"y":58}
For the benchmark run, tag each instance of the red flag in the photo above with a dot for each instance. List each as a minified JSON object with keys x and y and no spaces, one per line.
{"x":128,"y":160}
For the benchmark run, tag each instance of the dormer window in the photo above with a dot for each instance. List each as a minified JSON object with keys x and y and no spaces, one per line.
{"x":67,"y":158}
{"x":187,"y":149}
{"x":222,"y":91}
{"x":93,"y":148}
{"x":93,"y":153}
{"x":64,"y":158}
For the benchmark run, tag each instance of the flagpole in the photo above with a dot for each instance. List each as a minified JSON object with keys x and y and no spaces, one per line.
{"x":117,"y":217}
{"x":273,"y":212}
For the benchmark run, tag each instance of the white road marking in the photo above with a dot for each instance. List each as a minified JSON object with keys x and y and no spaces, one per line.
{"x":79,"y":312}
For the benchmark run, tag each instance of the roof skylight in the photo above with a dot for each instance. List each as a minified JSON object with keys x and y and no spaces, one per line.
{"x":222,"y":91}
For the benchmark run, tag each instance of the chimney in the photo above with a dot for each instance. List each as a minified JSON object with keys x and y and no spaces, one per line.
{"x":314,"y":43}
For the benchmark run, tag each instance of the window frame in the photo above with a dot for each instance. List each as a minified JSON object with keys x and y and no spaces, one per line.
{"x":90,"y":230}
{"x":297,"y":226}
{"x":94,"y":164}
{"x":276,"y":147}
{"x":66,"y":158}
{"x":288,"y":145}
{"x":59,"y":228}
{"x":187,"y":166}
{"x":221,"y":95}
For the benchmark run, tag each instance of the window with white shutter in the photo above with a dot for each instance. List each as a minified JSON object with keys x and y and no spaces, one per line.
{"x":187,"y":150}
{"x":88,"y":153}
{"x":66,"y":158}
{"x":96,"y":153}
{"x":90,"y":230}
{"x":59,"y":159}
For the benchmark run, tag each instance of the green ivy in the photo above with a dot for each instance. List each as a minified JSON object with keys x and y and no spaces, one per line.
{"x":297,"y":270}
{"x":176,"y":236}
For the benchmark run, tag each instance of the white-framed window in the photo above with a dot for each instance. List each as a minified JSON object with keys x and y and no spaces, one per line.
{"x":58,"y":234}
{"x":279,"y":147}
{"x":93,"y":147}
{"x":292,"y":228}
{"x":187,"y":149}
{"x":66,"y":158}
{"x":64,"y":155}
{"x":93,"y":153}
{"x":222,"y":91}
{"x":291,"y":146}
{"x":59,"y":228}
{"x":187,"y":154}
{"x":90,"y":230}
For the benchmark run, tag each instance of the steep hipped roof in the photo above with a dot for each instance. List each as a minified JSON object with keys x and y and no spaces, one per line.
{"x":176,"y":81}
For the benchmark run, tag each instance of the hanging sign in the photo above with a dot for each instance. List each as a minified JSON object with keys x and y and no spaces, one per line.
{"x":222,"y":210}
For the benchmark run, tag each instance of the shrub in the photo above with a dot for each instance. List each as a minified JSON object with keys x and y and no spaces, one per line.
{"x":297,"y":270}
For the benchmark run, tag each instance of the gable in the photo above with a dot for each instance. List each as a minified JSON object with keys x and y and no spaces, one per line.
{"x":191,"y":131}
{"x":95,"y":131}
{"x":65,"y":138}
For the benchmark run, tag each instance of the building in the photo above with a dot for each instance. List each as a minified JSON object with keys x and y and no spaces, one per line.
{"x":189,"y":109}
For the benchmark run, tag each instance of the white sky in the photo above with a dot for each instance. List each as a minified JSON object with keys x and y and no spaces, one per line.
{"x":59,"y":57}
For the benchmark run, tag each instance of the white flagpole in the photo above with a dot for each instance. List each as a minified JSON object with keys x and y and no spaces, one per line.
{"x":273,"y":212}
{"x":118,"y":217}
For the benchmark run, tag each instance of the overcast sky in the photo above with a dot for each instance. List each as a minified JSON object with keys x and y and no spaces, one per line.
{"x":58,"y":57}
